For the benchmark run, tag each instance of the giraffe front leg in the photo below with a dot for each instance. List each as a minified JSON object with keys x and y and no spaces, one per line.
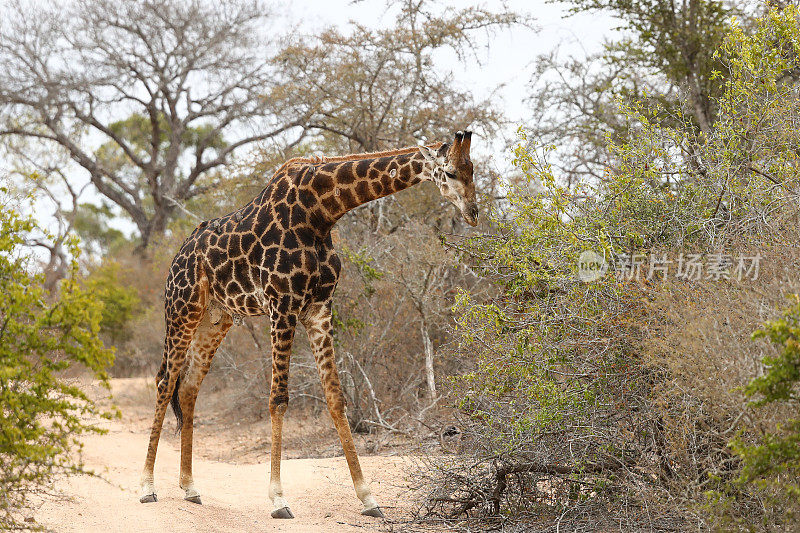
{"x":282,"y":333}
{"x":320,"y":333}
{"x":280,"y":507}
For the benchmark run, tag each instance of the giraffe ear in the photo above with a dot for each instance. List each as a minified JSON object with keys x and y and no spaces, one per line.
{"x":428,"y":153}
{"x":444,"y":149}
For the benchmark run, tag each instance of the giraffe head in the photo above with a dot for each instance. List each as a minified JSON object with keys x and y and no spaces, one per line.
{"x":452,"y":173}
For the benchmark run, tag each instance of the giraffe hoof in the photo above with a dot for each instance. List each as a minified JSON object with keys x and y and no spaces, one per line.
{"x":194,"y":499}
{"x":148,"y":498}
{"x":283,"y":512}
{"x":375,"y":512}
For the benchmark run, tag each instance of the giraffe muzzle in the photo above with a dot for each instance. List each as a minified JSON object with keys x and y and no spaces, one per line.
{"x":470,"y":214}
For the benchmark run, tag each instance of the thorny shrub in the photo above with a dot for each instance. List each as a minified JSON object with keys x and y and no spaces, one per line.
{"x":614,"y":401}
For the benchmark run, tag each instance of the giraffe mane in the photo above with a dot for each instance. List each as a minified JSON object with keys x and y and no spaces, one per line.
{"x":318,"y":160}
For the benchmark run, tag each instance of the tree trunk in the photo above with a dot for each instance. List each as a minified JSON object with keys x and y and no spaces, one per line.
{"x":56,"y":268}
{"x":155,"y":228}
{"x":428,"y":344}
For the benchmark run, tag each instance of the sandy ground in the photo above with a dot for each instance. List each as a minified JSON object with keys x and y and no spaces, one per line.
{"x":234,"y":494}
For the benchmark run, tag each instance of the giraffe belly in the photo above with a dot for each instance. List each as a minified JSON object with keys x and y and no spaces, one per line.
{"x":282,"y":276}
{"x":235,"y":287}
{"x":289,"y":293}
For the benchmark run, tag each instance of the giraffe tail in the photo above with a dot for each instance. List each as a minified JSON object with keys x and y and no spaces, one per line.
{"x":176,"y":405}
{"x":175,"y":402}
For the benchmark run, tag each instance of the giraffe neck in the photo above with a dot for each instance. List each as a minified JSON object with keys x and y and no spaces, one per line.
{"x":342,"y":186}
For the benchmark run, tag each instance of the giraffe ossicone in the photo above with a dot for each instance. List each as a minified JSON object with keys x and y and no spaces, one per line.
{"x":275,"y":257}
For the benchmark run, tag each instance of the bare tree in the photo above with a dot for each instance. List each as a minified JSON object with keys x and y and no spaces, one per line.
{"x":147,"y":96}
{"x":424,"y":279}
{"x":424,"y":274}
{"x":54,"y":187}
{"x":367,"y":89}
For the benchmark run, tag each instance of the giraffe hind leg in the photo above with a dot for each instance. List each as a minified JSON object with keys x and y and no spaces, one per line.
{"x":204,"y":345}
{"x":176,"y":344}
{"x":183,"y":319}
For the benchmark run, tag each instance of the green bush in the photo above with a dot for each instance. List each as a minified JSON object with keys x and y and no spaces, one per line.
{"x":42,"y":414}
{"x":577,"y":406}
{"x":119,"y":302}
{"x":558,"y":388}
{"x":771,"y":465}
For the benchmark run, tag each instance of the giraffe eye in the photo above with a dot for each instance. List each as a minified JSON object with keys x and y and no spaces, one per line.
{"x":450,"y":175}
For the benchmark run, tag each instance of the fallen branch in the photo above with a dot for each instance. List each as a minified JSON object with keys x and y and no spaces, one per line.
{"x":609,"y":463}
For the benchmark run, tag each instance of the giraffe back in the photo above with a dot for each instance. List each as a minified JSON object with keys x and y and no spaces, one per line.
{"x":267,"y":254}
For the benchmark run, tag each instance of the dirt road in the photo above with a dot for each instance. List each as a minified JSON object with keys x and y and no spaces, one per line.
{"x":319,"y":491}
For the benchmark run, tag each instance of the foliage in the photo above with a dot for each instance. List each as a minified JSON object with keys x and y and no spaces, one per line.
{"x":365,"y":266}
{"x":119,"y":302}
{"x":770,"y":463}
{"x":783,"y":371}
{"x":558,"y":384}
{"x":754,"y":152}
{"x":677,"y":41}
{"x":91,"y":225}
{"x":574,"y":406}
{"x":41,"y":336}
{"x":664,"y":58}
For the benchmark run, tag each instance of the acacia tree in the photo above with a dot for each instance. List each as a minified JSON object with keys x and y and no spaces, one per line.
{"x":156,"y":84}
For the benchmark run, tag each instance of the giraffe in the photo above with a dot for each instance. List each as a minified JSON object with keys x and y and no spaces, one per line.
{"x":274,"y":256}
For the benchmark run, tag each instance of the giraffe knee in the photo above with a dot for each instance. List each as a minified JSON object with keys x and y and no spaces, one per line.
{"x":162,"y":386}
{"x":278,"y":403}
